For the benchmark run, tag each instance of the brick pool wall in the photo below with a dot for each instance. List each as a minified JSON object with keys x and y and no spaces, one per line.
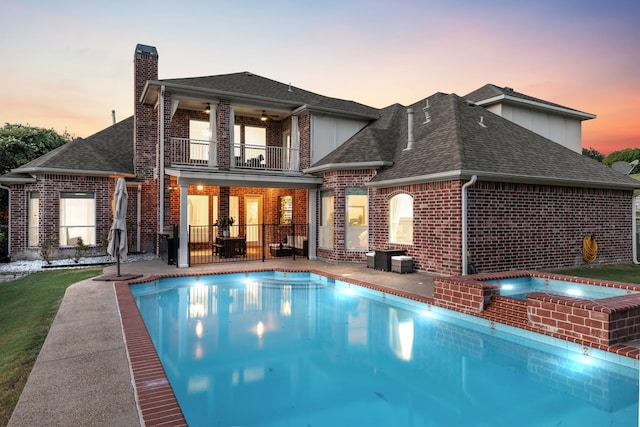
{"x":601,"y":323}
{"x":466,"y":296}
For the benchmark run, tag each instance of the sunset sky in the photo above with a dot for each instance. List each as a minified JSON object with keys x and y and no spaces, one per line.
{"x":66,"y":64}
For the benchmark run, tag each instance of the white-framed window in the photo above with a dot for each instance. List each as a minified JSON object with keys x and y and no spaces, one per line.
{"x":77,"y":218}
{"x":34,"y":219}
{"x":356,"y":232}
{"x":249,"y":145}
{"x":198,"y":217}
{"x":234,"y":212}
{"x":325,"y":232}
{"x":199,"y":139}
{"x":401,"y":219}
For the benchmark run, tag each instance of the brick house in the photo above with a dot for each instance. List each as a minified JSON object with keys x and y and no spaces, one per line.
{"x":494,"y":178}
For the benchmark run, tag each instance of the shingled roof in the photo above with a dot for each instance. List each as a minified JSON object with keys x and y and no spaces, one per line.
{"x":108,"y":152}
{"x":462,"y":139}
{"x":254,"y":86}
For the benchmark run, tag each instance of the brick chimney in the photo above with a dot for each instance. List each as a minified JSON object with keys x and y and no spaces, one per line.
{"x":145,"y":68}
{"x":145,"y":140}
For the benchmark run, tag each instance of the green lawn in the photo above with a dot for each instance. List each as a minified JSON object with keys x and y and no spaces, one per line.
{"x":629,"y":273}
{"x":27,"y":308}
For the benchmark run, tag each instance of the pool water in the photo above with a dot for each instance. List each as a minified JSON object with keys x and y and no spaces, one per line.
{"x":297,"y":349}
{"x":519,"y":287}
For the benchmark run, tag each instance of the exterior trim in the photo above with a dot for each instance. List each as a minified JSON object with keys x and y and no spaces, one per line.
{"x":538,"y":105}
{"x":227,"y":179}
{"x":488,"y":176}
{"x":347,"y":166}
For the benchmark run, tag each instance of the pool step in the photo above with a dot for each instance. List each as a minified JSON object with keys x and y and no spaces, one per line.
{"x":509,"y":311}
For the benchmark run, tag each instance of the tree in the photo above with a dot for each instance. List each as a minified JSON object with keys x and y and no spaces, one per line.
{"x":626,"y":155}
{"x":18,"y":146}
{"x":593,"y":153}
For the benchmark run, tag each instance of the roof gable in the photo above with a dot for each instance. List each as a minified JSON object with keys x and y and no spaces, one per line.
{"x":109,"y":151}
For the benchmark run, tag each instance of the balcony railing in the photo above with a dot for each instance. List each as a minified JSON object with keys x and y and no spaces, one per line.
{"x":192,"y":152}
{"x":262,"y":157}
{"x":199,"y":153}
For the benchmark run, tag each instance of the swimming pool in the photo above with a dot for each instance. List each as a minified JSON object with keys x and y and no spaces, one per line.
{"x":276,"y":348}
{"x":519,"y":287}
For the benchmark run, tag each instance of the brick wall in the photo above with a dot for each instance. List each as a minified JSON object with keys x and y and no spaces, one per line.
{"x":304,"y":127}
{"x":437,"y":227}
{"x":520,"y":226}
{"x":49,"y":187}
{"x":339,"y":181}
{"x":510,"y":226}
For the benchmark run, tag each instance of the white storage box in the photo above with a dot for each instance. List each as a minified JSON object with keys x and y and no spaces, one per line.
{"x":371,"y":260}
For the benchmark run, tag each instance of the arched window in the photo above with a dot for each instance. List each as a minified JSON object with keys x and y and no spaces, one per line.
{"x":401,"y":219}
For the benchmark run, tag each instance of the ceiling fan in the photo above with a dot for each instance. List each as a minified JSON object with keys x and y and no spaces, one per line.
{"x":264,"y":116}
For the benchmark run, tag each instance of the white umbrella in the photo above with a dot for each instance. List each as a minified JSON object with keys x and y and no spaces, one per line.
{"x":118,"y":234}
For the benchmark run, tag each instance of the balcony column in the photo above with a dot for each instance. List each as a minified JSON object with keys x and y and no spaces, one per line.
{"x":294,"y":155}
{"x":183,"y":253}
{"x":213,"y":139}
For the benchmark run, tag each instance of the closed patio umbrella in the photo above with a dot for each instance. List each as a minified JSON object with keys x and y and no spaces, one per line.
{"x":117,"y":247}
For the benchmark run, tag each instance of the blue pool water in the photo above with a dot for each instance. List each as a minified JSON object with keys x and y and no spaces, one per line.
{"x":518,"y":287}
{"x":294,"y":349}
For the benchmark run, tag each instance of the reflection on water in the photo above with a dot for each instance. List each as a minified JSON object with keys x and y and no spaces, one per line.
{"x":269,"y":352}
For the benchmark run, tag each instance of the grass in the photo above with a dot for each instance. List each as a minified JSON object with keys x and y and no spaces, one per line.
{"x":27,"y":309}
{"x":629,"y":273}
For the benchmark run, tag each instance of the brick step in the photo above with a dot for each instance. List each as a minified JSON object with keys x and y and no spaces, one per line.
{"x":509,"y":311}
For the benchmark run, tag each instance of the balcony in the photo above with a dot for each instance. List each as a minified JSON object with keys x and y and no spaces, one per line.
{"x":199,"y":153}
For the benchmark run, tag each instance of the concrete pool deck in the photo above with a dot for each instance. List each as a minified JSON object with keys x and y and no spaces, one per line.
{"x":82,"y":375}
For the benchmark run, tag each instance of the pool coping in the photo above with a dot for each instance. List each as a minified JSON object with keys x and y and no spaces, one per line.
{"x":157,"y":403}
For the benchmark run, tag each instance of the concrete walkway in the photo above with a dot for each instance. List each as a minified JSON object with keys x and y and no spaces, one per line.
{"x":82,"y":375}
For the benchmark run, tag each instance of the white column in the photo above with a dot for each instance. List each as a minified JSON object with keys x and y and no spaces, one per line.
{"x":294,"y":155}
{"x":213,"y":140}
{"x":312,"y":214}
{"x":183,"y":255}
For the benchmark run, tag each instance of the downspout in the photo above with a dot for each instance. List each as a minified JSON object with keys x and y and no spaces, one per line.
{"x":8,"y":236}
{"x":138,"y":213}
{"x":634,"y":228}
{"x":161,"y":164}
{"x":474,"y":178}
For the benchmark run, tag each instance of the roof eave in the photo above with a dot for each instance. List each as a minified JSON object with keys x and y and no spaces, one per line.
{"x":79,"y":172}
{"x":18,"y":180}
{"x":335,"y":112}
{"x":499,"y":177}
{"x":347,"y":166}
{"x":537,"y":105}
{"x":150,"y":97}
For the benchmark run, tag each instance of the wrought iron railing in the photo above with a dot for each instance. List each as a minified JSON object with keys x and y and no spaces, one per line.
{"x":211,"y":244}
